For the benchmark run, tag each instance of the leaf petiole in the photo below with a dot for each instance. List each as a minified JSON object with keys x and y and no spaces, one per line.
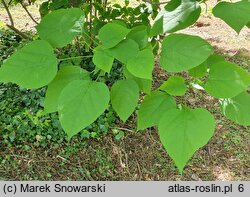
{"x":77,"y":57}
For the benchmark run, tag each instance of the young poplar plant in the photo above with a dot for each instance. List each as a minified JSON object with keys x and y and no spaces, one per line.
{"x":80,"y":100}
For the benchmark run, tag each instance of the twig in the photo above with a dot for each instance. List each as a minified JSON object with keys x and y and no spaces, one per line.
{"x":19,"y":156}
{"x":62,"y":158}
{"x":105,"y":3}
{"x":18,"y":32}
{"x":77,"y":57}
{"x":10,"y":2}
{"x":91,"y":22}
{"x":123,"y":129}
{"x":139,"y":168}
{"x":12,"y":24}
{"x":27,"y":11}
{"x":206,"y":10}
{"x":155,"y":3}
{"x":8,"y":12}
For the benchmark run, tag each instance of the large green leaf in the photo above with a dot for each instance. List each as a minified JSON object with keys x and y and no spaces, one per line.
{"x":152,"y":108}
{"x":102,"y":59}
{"x":111,"y":34}
{"x":61,"y":26}
{"x":65,"y":75}
{"x":236,"y":15}
{"x":145,"y":85}
{"x":226,"y":80}
{"x":81,"y":103}
{"x":125,"y":50}
{"x":238,"y":108}
{"x":124,"y":98}
{"x":33,"y":66}
{"x":140,"y":35}
{"x":182,"y":52}
{"x":175,"y":85}
{"x":142,"y":65}
{"x":183,"y":132}
{"x":177,"y":15}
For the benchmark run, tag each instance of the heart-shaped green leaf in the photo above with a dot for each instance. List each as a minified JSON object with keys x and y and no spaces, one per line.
{"x":236,"y":14}
{"x":124,"y":98}
{"x":152,"y":108}
{"x":65,"y":75}
{"x":226,"y":80}
{"x":124,"y":51}
{"x":142,"y":65}
{"x":81,"y":103}
{"x":145,"y":85}
{"x":175,"y":85}
{"x":140,"y":35}
{"x":238,"y":108}
{"x":183,"y":132}
{"x":33,"y":66}
{"x":181,"y":52}
{"x":102,"y":59}
{"x":111,"y":34}
{"x":61,"y":26}
{"x":177,"y":15}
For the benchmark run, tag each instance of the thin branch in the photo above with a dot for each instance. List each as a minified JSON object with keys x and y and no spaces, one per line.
{"x":8,"y":12}
{"x":10,"y":2}
{"x":77,"y":57}
{"x":105,"y":3}
{"x":27,"y":11}
{"x":18,"y":32}
{"x":12,"y":24}
{"x":155,"y":3}
{"x":90,"y":21}
{"x":123,"y":129}
{"x":206,"y":7}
